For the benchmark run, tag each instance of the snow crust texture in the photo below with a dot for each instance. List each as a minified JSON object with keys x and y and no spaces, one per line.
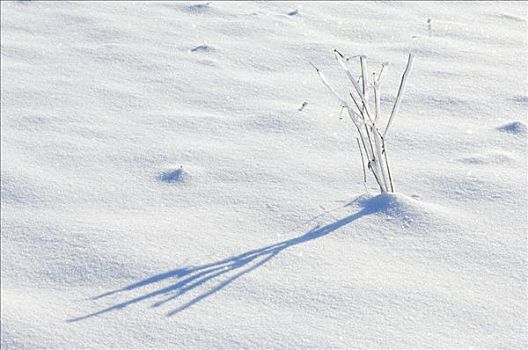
{"x":175,"y":175}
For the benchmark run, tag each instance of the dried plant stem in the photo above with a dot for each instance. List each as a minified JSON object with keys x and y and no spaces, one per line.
{"x":377,"y":102}
{"x":339,"y":58}
{"x":387,"y":164}
{"x":383,"y":165}
{"x":371,"y":142}
{"x":375,"y":163}
{"x":380,"y":184}
{"x":325,"y":82}
{"x":400,"y":93}
{"x":363,"y":165}
{"x":364,"y":78}
{"x":370,"y":159}
{"x":371,"y":156}
{"x":382,"y":72}
{"x":377,"y":137}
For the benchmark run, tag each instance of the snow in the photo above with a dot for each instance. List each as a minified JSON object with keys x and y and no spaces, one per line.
{"x":515,"y":127}
{"x":162,"y":187}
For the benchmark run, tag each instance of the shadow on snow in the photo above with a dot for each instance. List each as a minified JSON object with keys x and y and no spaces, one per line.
{"x":187,"y":279}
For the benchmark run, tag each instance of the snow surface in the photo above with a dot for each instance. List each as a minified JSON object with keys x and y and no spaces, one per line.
{"x":161,"y":188}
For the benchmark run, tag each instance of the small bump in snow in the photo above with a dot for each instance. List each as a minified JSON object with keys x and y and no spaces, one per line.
{"x":516,"y":128}
{"x":493,"y":157}
{"x":293,"y":13}
{"x":520,"y":99}
{"x":172,"y":175}
{"x":202,"y":48}
{"x":404,"y":210}
{"x":199,"y":8}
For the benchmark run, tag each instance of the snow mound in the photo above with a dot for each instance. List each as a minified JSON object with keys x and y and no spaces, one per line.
{"x":198,"y":8}
{"x":403,"y":210}
{"x":520,"y":99}
{"x":173,"y":175}
{"x":516,"y":128}
{"x":293,"y":13}
{"x":202,"y":48}
{"x":489,"y":158}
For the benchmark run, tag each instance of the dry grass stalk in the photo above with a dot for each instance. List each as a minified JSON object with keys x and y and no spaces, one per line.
{"x":372,"y":143}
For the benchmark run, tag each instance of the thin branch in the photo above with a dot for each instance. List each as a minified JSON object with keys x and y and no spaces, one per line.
{"x":363,"y":124}
{"x":358,"y":127}
{"x":387,"y":163}
{"x":363,"y":63}
{"x":382,"y":165}
{"x":383,"y":71}
{"x":334,"y":92}
{"x":339,"y":58}
{"x":373,"y":146}
{"x":325,"y":82}
{"x":400,"y":93}
{"x":341,"y":112}
{"x":380,"y":184}
{"x":363,"y":164}
{"x":377,"y":103}
{"x":363,"y":141}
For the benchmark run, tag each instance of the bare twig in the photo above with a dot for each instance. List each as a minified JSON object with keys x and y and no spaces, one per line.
{"x":353,"y":116}
{"x":380,"y":184}
{"x":339,"y":58}
{"x":383,"y":72}
{"x":363,"y":165}
{"x":377,"y":103}
{"x":371,"y":142}
{"x":325,"y":82}
{"x":400,"y":94}
{"x":363,"y":63}
{"x":371,"y":156}
{"x":382,"y":164}
{"x":387,"y":164}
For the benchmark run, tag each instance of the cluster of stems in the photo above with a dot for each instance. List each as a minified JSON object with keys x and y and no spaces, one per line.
{"x":365,"y":115}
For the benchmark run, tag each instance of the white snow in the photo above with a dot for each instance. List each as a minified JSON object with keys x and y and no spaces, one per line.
{"x":161,"y":188}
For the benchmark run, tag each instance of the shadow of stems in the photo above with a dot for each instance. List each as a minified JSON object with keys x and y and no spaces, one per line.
{"x":184,"y":280}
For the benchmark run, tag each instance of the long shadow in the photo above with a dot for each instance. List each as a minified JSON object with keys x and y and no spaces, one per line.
{"x":189,"y":278}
